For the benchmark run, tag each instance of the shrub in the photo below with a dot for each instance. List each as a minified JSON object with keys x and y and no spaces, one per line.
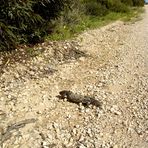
{"x":116,"y":6}
{"x":72,"y":13}
{"x":26,"y":21}
{"x":138,"y":2}
{"x":95,"y":8}
{"x":127,"y":2}
{"x":7,"y":37}
{"x":17,"y":21}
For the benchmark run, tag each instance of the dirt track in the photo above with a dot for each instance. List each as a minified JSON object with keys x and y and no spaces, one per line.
{"x":115,"y":72}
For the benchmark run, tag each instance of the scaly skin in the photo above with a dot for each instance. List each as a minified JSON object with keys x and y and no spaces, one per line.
{"x":77,"y":98}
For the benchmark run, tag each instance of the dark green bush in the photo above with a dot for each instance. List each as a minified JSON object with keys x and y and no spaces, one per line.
{"x":24,"y":21}
{"x":133,"y":2}
{"x":127,"y":2}
{"x":17,"y":21}
{"x":138,"y":2}
{"x":7,"y":37}
{"x":102,"y":7}
{"x":115,"y":5}
{"x":95,"y":8}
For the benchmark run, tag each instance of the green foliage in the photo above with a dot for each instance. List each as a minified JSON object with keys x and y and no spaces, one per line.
{"x":95,"y":8}
{"x":102,"y":7}
{"x":138,"y":2}
{"x":26,"y":21}
{"x":115,"y":5}
{"x":69,"y":19}
{"x":133,"y":2}
{"x":72,"y":13}
{"x":66,"y":32}
{"x":127,"y":2}
{"x":8,"y":39}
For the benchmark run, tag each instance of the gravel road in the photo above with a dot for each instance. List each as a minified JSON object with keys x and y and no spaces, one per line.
{"x":114,"y":71}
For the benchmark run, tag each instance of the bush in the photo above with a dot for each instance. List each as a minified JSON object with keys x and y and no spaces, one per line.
{"x":26,"y":21}
{"x":127,"y":2}
{"x":72,"y":13}
{"x":95,"y":8}
{"x":115,"y":6}
{"x":8,"y":38}
{"x":138,"y":2}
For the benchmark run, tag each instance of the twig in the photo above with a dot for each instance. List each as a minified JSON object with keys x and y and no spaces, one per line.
{"x":8,"y":133}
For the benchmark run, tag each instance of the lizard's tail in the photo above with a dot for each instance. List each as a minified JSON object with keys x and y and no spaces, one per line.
{"x":95,"y":102}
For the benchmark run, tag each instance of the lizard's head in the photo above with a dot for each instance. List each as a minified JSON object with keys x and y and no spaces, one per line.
{"x":65,"y":93}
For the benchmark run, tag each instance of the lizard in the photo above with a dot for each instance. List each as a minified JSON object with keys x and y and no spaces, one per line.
{"x":78,"y":98}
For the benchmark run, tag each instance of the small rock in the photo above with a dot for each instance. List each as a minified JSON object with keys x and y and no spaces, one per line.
{"x":32,"y":73}
{"x":115,"y":146}
{"x":82,"y":146}
{"x":45,"y":144}
{"x":17,"y":75}
{"x":115,"y":110}
{"x":82,"y":59}
{"x":9,"y":96}
{"x":74,"y":131}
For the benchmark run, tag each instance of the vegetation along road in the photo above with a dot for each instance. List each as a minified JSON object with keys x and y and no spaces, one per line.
{"x":110,"y":64}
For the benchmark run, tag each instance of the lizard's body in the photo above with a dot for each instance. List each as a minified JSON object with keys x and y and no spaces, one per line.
{"x":77,"y":98}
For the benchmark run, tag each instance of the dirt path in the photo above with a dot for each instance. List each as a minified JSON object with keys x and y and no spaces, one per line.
{"x":115,"y":72}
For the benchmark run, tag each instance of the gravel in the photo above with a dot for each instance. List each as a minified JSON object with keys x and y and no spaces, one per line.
{"x":109,"y":63}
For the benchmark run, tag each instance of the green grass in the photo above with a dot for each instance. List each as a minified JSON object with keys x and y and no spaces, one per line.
{"x":89,"y":22}
{"x":134,"y":14}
